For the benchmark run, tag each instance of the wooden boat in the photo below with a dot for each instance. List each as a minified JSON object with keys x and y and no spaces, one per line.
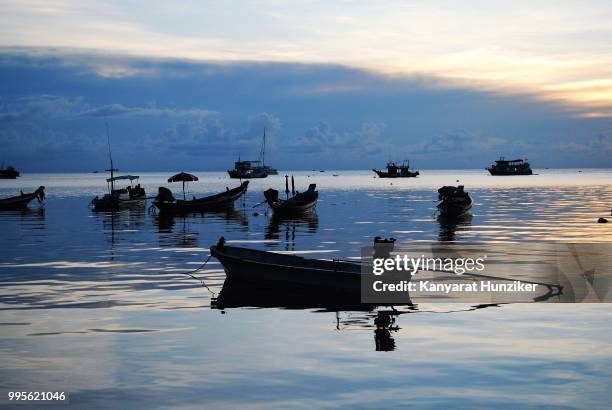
{"x":166,"y":202}
{"x":453,"y":201}
{"x":397,"y":171}
{"x":253,"y":169}
{"x":250,"y":265}
{"x":21,"y":201}
{"x":510,"y":167}
{"x":8,"y":172}
{"x":299,"y":203}
{"x":116,"y":199}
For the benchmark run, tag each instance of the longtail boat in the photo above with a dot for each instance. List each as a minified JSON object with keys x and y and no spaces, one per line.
{"x":453,"y":201}
{"x":117,"y":199}
{"x":166,"y":202}
{"x":298,"y":203}
{"x":21,"y":201}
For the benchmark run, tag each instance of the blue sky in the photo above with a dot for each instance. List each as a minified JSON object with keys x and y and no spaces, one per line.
{"x":335,"y":86}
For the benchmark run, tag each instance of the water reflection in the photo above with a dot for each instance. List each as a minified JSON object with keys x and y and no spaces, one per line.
{"x":385,"y":324}
{"x":126,"y":220}
{"x":449,"y":225}
{"x":291,"y":227}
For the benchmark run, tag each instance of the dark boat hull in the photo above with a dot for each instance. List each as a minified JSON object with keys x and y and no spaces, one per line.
{"x":247,"y":175}
{"x":8,"y":174}
{"x":454,"y":209}
{"x":384,"y":174}
{"x":16,"y":202}
{"x":509,"y":173}
{"x":284,"y":209}
{"x":215,"y":202}
{"x":102,"y":205}
{"x":290,"y":271}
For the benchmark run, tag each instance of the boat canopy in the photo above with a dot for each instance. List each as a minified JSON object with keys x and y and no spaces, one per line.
{"x":130,"y":177}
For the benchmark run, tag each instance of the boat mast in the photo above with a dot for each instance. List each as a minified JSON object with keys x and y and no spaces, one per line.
{"x":263,"y":149}
{"x":110,"y":156}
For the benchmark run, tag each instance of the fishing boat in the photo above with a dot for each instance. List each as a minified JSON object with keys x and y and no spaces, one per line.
{"x":130,"y":196}
{"x":116,"y":199}
{"x":298,"y":203}
{"x":166,"y":202}
{"x":8,"y":172}
{"x":510,"y":167}
{"x":292,"y":271}
{"x":453,"y":201}
{"x":253,"y":169}
{"x":395,"y":170}
{"x":247,"y":170}
{"x":22,"y":200}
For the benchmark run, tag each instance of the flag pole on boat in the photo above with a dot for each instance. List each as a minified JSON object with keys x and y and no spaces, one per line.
{"x":292,"y":186}
{"x":287,"y":186}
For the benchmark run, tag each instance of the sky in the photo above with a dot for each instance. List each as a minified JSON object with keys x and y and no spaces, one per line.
{"x":342,"y":85}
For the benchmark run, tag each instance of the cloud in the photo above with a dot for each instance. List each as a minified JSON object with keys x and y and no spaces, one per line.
{"x":188,"y":110}
{"x":321,"y":139}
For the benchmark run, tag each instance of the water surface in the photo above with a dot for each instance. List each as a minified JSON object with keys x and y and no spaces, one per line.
{"x":97,"y":305}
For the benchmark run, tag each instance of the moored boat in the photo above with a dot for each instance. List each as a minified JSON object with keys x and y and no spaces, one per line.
{"x":293,"y":271}
{"x":299,"y":203}
{"x":247,"y":170}
{"x":8,"y":172}
{"x":453,"y":201}
{"x":253,"y":169}
{"x":510,"y":167}
{"x":116,"y":199}
{"x":22,"y":200}
{"x":166,"y":202}
{"x":395,"y":170}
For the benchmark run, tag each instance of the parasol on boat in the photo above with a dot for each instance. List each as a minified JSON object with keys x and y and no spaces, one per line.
{"x":183,"y":177}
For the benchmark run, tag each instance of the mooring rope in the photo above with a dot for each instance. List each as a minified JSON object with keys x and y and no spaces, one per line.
{"x":191,"y":274}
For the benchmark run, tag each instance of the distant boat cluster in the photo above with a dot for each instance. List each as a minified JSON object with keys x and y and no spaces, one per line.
{"x":500,"y":167}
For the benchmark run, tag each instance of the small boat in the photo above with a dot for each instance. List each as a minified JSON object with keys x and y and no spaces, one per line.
{"x":299,"y":203}
{"x":253,"y":169}
{"x":117,"y":199}
{"x":21,"y":201}
{"x":166,"y":202}
{"x":395,"y":170}
{"x":453,"y":201}
{"x":8,"y":172}
{"x":250,"y":265}
{"x":510,"y":167}
{"x":247,"y":170}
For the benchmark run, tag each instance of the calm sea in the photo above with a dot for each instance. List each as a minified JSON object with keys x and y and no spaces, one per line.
{"x":96,"y":305}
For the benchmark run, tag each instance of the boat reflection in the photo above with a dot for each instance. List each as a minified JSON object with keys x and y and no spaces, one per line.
{"x":385,"y":324}
{"x":114,"y":222}
{"x":26,"y":214}
{"x":166,"y":221}
{"x":449,"y":225}
{"x":291,"y":227}
{"x":239,"y":294}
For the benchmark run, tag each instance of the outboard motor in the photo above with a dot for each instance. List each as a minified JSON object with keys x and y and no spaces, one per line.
{"x":40,"y":194}
{"x":383,"y":247}
{"x":164,"y":195}
{"x":271,"y":195}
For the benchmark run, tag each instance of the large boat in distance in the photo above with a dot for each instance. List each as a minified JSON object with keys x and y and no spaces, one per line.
{"x":510,"y":167}
{"x":395,"y":170}
{"x":253,"y":169}
{"x":8,"y":172}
